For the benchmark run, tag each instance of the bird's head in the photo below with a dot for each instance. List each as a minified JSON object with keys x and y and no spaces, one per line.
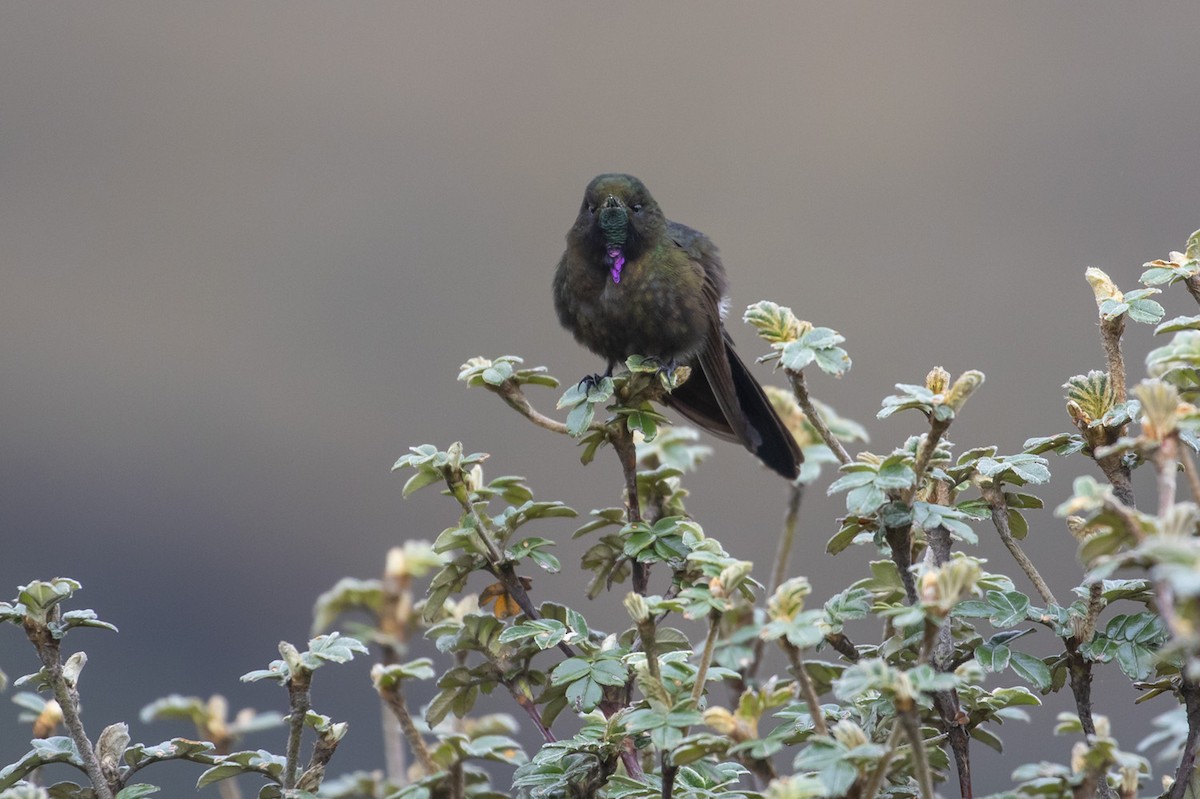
{"x":617,"y":220}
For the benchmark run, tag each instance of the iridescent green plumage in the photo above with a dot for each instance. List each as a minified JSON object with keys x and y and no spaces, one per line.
{"x":633,"y":282}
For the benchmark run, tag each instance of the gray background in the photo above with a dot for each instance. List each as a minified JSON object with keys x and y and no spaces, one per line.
{"x":244,"y":249}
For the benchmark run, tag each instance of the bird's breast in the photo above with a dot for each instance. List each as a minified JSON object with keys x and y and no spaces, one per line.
{"x":653,"y":313}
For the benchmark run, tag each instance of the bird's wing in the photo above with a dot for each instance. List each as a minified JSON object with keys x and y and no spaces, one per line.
{"x":712,"y":357}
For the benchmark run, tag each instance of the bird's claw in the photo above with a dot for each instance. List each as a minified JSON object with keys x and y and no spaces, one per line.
{"x":589,"y":382}
{"x":592,"y":381}
{"x":664,"y":370}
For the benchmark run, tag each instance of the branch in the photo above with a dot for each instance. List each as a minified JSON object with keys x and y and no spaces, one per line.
{"x":706,"y":656}
{"x":1193,"y":286}
{"x":806,"y":689}
{"x":514,"y":397}
{"x":1113,"y":466}
{"x":1164,"y":459}
{"x":787,"y":537}
{"x":49,"y":650}
{"x":994,"y":497}
{"x":843,"y":645}
{"x":1189,"y":470}
{"x":314,"y":772}
{"x":937,"y":428}
{"x":872,"y":786}
{"x":1110,"y":336}
{"x":622,"y":441}
{"x":1184,"y":775}
{"x":800,"y":390}
{"x":783,"y":553}
{"x":911,"y":723}
{"x":531,"y":709}
{"x":300,"y":702}
{"x":394,"y":698}
{"x":940,"y":649}
{"x":500,"y":566}
{"x":900,"y":538}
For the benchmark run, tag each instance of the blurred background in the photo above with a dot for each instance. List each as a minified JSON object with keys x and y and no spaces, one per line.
{"x":244,"y":249}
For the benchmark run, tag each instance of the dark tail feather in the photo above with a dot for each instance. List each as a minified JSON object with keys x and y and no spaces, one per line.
{"x":777,"y":447}
{"x":765,"y":434}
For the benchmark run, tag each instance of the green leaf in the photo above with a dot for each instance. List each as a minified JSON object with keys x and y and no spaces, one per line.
{"x":865,"y":500}
{"x":610,"y":671}
{"x":544,"y":632}
{"x":570,"y":670}
{"x":895,"y":473}
{"x":827,"y":759}
{"x":1148,"y":312}
{"x":422,"y":478}
{"x":1007,"y":607}
{"x":580,"y":418}
{"x":775,"y":323}
{"x":1031,"y":669}
{"x":993,"y":657}
{"x":644,"y":423}
{"x":336,"y":648}
{"x":347,"y":595}
{"x":1177,"y":324}
{"x":665,"y":726}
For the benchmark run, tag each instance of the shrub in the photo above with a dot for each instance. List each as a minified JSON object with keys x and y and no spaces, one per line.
{"x":892,"y":716}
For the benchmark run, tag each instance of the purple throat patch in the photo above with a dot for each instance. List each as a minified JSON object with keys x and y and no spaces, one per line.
{"x":616,"y":259}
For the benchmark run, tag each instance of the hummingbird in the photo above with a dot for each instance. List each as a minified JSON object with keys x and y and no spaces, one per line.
{"x":633,"y":282}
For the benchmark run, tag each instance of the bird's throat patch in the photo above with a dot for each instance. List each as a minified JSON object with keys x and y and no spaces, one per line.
{"x":616,"y":262}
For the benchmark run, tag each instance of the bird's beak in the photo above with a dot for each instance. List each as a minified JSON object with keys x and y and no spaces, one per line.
{"x":613,"y":217}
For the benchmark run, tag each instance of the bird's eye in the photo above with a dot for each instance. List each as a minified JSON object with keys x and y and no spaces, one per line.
{"x":591,"y":209}
{"x":637,"y":209}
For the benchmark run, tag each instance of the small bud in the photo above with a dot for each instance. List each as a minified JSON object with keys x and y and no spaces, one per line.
{"x":952,"y":581}
{"x":963,"y":388}
{"x":1079,"y":757}
{"x":1103,"y":726}
{"x":1090,"y":397}
{"x":215,"y":711}
{"x":720,"y":720}
{"x":849,"y":734}
{"x":474,"y":478}
{"x":905,"y":692}
{"x":1077,"y":526}
{"x":638,"y":610}
{"x":733,"y":575}
{"x":110,"y":746}
{"x":335,"y":732}
{"x":48,"y":720}
{"x":1160,"y":408}
{"x":396,"y":565}
{"x":1079,"y":628}
{"x":1129,"y":780}
{"x":929,"y":588}
{"x":1102,"y":286}
{"x":73,"y":667}
{"x":784,"y":403}
{"x":937,"y":380}
{"x":788,"y":599}
{"x":1077,"y":414}
{"x":291,"y":657}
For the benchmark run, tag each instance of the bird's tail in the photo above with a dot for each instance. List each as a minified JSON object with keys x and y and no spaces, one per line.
{"x":759,"y":429}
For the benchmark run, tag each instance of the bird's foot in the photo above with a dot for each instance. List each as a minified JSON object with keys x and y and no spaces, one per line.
{"x":592,"y":381}
{"x":665,"y":369}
